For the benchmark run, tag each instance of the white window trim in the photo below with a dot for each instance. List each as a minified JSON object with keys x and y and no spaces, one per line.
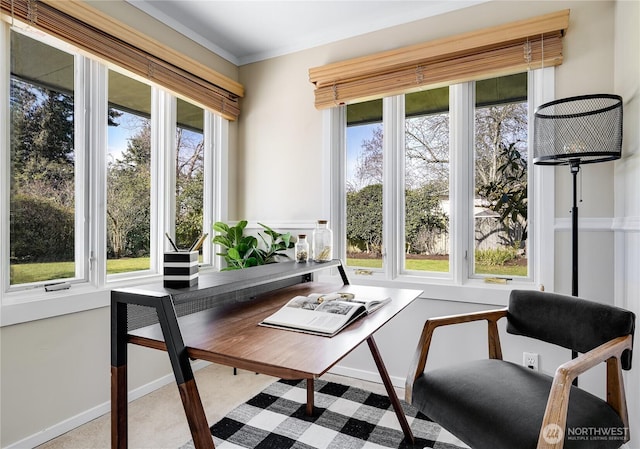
{"x":459,"y":285}
{"x":5,"y":158}
{"x":31,"y":303}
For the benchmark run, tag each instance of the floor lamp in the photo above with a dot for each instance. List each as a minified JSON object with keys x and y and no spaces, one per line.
{"x":574,"y":131}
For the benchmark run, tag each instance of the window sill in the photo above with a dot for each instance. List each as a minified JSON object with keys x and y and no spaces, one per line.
{"x":30,"y":305}
{"x":474,"y":291}
{"x":36,"y":304}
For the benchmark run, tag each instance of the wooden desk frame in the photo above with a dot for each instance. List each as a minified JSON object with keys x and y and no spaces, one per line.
{"x":163,"y":301}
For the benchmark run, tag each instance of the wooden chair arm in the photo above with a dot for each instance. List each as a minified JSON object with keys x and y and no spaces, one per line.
{"x":422,"y":351}
{"x":555,"y":415}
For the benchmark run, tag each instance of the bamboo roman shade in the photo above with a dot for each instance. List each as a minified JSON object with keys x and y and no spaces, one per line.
{"x":100,"y":35}
{"x":496,"y":51}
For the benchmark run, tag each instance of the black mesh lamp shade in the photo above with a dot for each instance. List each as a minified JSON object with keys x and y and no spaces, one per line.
{"x":573,"y":131}
{"x":578,"y":130}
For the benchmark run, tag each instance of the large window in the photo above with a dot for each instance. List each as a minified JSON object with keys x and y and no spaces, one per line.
{"x":444,"y":194}
{"x":501,"y":179}
{"x":44,"y":242}
{"x":364,"y":185}
{"x":190,"y":162}
{"x":128,"y":175}
{"x":101,"y":165}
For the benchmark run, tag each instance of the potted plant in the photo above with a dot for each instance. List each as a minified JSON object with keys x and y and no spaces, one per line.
{"x":244,"y":251}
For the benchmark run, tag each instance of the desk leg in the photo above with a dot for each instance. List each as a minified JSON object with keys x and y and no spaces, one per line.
{"x":183,"y":373}
{"x":119,"y":393}
{"x":119,"y":434}
{"x":310,"y":396}
{"x":395,"y":402}
{"x":196,"y":418}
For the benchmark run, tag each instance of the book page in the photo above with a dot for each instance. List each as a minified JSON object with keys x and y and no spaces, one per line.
{"x":308,"y":314}
{"x":326,"y":323}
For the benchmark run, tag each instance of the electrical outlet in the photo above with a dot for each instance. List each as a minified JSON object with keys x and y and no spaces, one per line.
{"x":530,"y":360}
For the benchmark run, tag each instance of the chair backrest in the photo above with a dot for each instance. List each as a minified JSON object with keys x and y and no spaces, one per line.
{"x":568,"y":321}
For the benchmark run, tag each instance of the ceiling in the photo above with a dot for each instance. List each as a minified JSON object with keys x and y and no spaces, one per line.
{"x":244,"y":31}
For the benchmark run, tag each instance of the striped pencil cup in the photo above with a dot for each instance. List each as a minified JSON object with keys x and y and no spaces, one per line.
{"x":180,"y":269}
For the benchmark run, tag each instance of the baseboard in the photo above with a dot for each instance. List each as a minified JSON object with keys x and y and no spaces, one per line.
{"x":89,"y":415}
{"x":370,"y":376}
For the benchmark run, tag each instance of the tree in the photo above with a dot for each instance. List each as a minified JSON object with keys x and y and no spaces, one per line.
{"x":364,"y":218}
{"x":369,"y":166}
{"x":424,"y":219}
{"x":42,"y":174}
{"x":128,"y":197}
{"x":189,"y":186}
{"x":501,"y":168}
{"x":507,"y":195}
{"x":42,"y":143}
{"x":427,"y":152}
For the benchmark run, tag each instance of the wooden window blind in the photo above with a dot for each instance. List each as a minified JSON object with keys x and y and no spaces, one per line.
{"x":106,"y":38}
{"x":495,"y":51}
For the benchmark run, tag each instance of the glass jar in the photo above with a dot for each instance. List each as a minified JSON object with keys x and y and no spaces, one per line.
{"x":302,"y":249}
{"x":322,"y":242}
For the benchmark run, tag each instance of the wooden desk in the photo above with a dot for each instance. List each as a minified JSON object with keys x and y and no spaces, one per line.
{"x":230,"y":335}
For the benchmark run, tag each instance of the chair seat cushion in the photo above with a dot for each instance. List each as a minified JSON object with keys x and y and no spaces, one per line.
{"x":494,"y":404}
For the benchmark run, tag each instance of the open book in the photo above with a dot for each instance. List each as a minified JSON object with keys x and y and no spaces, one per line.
{"x":323,"y":314}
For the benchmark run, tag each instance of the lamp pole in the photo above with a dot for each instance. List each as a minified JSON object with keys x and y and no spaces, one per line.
{"x":575,"y":168}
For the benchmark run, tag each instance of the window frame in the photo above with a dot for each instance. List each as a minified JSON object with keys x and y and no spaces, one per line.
{"x":460,"y":283}
{"x":91,"y":287}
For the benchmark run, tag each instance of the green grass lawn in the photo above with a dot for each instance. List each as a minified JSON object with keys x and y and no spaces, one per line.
{"x":440,"y":266}
{"x":38,"y":272}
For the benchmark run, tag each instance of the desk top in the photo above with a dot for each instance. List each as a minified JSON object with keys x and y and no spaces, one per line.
{"x":230,"y":334}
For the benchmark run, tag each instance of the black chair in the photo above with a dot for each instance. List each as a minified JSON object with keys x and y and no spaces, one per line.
{"x":496,"y":404}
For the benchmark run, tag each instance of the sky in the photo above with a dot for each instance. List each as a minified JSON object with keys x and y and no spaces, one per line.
{"x":355,"y":136}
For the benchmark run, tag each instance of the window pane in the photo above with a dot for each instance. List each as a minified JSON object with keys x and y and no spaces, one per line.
{"x":500,"y":206}
{"x":189,"y":174}
{"x":42,"y":195}
{"x":128,"y":175}
{"x":427,"y":180}
{"x":364,"y":184}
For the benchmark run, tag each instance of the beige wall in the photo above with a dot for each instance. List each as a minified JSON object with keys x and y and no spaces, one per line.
{"x":55,"y":369}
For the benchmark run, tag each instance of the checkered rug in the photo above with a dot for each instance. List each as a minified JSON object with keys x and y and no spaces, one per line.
{"x":345,"y":418}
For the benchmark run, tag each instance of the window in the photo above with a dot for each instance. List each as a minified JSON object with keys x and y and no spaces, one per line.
{"x":437,"y":182}
{"x":128,"y":175}
{"x":189,"y":174}
{"x":426,"y":174}
{"x":501,"y":179}
{"x":45,"y":199}
{"x":90,"y":188}
{"x":364,"y":185}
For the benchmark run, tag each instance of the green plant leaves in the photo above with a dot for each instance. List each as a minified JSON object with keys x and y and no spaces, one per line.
{"x":243,"y":251}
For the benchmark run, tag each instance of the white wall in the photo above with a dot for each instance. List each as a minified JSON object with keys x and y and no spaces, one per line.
{"x":627,"y":171}
{"x":55,"y":371}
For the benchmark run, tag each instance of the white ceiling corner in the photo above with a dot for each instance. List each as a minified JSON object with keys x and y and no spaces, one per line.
{"x":246,"y":31}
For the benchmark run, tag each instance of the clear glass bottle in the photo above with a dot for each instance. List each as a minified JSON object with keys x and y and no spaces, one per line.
{"x":302,"y":249}
{"x":322,"y":242}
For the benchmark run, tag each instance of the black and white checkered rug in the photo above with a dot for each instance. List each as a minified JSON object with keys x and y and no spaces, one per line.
{"x":345,"y":418}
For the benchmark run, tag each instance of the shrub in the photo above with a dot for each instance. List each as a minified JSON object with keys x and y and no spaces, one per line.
{"x":41,"y":231}
{"x":496,"y":256}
